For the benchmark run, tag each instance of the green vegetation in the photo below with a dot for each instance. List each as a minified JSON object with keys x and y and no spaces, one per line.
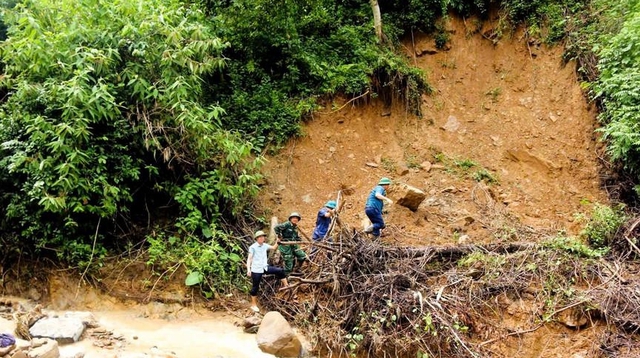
{"x":144,"y":121}
{"x":618,"y":87}
{"x":107,"y":121}
{"x":602,"y":226}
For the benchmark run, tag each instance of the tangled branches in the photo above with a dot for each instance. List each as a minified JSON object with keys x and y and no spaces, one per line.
{"x":359,"y":296}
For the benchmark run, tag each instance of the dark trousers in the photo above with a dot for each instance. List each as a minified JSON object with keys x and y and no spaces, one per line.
{"x":257,"y":277}
{"x":376,"y":219}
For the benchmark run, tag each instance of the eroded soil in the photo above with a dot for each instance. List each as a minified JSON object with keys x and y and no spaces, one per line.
{"x":505,"y":150}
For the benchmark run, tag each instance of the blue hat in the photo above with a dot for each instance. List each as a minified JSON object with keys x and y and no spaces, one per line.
{"x":331,"y":204}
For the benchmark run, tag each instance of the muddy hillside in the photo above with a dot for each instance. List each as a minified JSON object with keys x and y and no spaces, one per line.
{"x":507,"y":125}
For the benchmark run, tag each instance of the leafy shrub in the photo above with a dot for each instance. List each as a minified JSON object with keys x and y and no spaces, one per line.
{"x":107,"y":115}
{"x":618,"y":89}
{"x":575,"y":247}
{"x":603,"y":224}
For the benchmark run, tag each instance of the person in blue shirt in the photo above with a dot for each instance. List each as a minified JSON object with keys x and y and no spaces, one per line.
{"x":323,"y":221}
{"x":257,"y":265}
{"x":373,"y":207}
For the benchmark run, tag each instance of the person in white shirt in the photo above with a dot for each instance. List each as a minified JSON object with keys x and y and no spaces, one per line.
{"x":257,"y":265}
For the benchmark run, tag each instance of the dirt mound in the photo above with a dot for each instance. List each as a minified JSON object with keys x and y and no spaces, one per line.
{"x":506,"y":145}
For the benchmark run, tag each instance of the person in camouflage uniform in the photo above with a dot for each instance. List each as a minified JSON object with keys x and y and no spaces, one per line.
{"x":288,"y":231}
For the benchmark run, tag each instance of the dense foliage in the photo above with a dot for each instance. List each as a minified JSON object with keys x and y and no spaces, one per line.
{"x":618,"y":87}
{"x":106,"y":120}
{"x":286,"y":55}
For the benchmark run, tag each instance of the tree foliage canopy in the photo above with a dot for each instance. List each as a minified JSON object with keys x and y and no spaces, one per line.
{"x":106,"y":109}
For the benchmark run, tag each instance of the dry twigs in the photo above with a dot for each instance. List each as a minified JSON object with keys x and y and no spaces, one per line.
{"x":366,"y":298}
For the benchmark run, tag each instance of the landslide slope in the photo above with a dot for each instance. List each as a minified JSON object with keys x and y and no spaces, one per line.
{"x":506,"y":112}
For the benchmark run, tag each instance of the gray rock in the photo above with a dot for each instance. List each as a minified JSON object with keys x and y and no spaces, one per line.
{"x":87,"y":318}
{"x":411,"y":197}
{"x":452,"y":124}
{"x":251,"y":321}
{"x":47,"y":350}
{"x":63,"y":330}
{"x":275,"y":336}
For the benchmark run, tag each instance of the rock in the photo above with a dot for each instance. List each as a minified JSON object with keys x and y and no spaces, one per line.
{"x":449,"y":189}
{"x":38,"y":342}
{"x":71,"y":352}
{"x":7,"y":325}
{"x":87,"y":318}
{"x":19,"y":354}
{"x":426,"y":166}
{"x":522,"y":156}
{"x":254,"y":320}
{"x":452,"y":124}
{"x":5,"y":350}
{"x":47,"y":350}
{"x":251,"y":330}
{"x":526,"y":102}
{"x":402,"y":170}
{"x":372,"y":165}
{"x":411,"y":197}
{"x":464,"y":239}
{"x":276,"y":336}
{"x":437,"y":166}
{"x":572,"y":318}
{"x":63,"y":330}
{"x":23,"y":344}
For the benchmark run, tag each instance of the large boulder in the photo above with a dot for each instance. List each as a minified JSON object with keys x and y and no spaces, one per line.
{"x":275,"y":336}
{"x":410,"y":197}
{"x":62,"y":329}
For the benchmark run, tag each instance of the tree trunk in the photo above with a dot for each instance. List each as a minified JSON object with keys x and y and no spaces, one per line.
{"x":377,"y":19}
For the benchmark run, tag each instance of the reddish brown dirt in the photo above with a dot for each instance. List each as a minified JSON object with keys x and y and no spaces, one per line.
{"x":510,"y":108}
{"x":522,"y":117}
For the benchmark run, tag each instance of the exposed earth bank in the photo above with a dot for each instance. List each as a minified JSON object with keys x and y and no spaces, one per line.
{"x":505,"y":151}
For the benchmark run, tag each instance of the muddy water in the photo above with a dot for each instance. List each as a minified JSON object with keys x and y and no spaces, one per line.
{"x":199,"y":334}
{"x":186,"y":332}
